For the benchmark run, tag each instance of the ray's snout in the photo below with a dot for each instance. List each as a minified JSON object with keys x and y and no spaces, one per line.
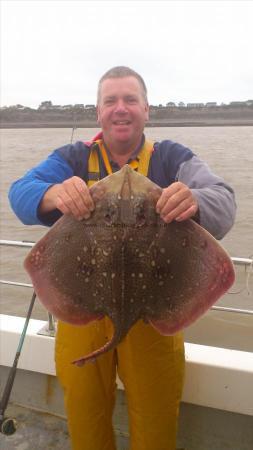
{"x":132,"y":209}
{"x":126,"y":201}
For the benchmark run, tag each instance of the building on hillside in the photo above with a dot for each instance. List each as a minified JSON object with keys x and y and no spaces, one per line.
{"x":195,"y":105}
{"x":79,"y":106}
{"x":89,"y":107}
{"x":237,"y":103}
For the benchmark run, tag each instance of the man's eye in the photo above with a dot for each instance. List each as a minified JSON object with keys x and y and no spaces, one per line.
{"x":109,"y":101}
{"x":131,"y":100}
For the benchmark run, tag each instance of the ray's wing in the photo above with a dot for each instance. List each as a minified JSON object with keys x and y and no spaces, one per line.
{"x":188,"y":271}
{"x":62,"y":271}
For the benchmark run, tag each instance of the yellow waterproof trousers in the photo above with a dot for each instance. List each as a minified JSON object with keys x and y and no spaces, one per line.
{"x":151,"y":368}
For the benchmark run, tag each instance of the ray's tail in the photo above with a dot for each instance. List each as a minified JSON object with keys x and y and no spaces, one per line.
{"x":116,"y":338}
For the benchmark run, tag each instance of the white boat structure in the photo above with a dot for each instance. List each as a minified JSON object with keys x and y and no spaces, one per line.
{"x":217,"y":405}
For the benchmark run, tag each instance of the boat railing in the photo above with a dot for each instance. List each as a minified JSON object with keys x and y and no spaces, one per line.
{"x":50,"y":328}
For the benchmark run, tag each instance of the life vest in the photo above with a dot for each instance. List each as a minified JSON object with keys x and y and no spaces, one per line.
{"x":97,"y":146}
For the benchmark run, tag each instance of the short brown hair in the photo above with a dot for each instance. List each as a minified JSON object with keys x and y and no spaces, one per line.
{"x":121,"y":72}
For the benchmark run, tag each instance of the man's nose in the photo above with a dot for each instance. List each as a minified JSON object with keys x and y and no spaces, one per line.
{"x":120,"y":107}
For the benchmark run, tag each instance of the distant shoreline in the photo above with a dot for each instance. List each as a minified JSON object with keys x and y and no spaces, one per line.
{"x":158,"y":117}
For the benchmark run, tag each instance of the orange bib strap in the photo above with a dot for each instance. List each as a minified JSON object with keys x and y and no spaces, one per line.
{"x":144,"y":158}
{"x":141,"y":164}
{"x":93,"y":166}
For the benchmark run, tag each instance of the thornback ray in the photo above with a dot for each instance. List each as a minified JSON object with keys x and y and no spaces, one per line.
{"x":124,"y":262}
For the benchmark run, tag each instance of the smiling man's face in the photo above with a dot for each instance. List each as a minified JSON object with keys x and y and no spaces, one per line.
{"x":122,"y":112}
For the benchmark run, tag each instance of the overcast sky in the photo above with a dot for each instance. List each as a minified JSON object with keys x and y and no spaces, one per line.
{"x":191,"y":51}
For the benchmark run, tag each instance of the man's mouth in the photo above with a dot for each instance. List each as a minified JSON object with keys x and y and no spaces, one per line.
{"x":121,"y":122}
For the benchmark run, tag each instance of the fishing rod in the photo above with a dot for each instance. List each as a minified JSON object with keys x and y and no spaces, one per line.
{"x":8,"y":425}
{"x":74,"y":127}
{"x":72,"y":133}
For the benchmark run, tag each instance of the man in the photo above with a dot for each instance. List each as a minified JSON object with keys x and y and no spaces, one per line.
{"x":150,"y":366}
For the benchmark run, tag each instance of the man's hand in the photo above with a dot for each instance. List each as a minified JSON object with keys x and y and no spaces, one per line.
{"x":176,"y":203}
{"x":71,"y":197}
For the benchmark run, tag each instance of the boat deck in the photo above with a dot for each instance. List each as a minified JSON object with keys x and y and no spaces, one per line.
{"x":35,"y":430}
{"x":199,"y":429}
{"x":42,"y":431}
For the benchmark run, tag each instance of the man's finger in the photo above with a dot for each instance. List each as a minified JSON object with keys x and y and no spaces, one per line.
{"x":77,"y":193}
{"x":179,"y":201}
{"x":166,"y":194}
{"x":67,"y":206}
{"x":172,"y":214}
{"x":190,"y":212}
{"x":184,"y":208}
{"x":83,"y":189}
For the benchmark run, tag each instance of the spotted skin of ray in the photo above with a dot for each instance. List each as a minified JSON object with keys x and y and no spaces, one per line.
{"x":124,"y":262}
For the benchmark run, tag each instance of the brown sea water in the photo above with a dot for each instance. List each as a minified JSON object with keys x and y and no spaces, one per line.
{"x":227,"y":150}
